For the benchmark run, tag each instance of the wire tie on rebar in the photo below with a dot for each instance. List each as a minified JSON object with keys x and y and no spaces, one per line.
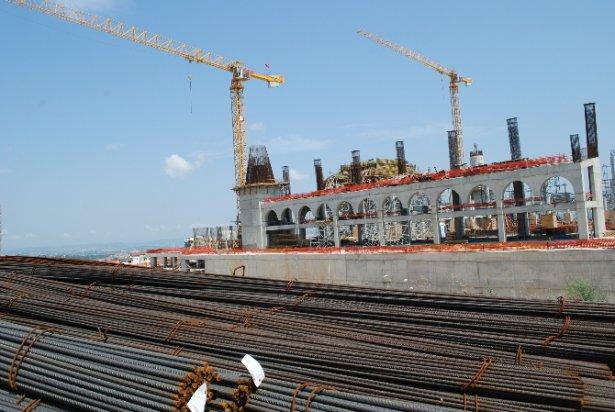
{"x":22,"y":350}
{"x":101,"y":336}
{"x":289,"y":285}
{"x":174,"y":330}
{"x":276,"y":309}
{"x":177,"y":351}
{"x":560,"y":301}
{"x":565,"y":326}
{"x":298,"y":389}
{"x":313,"y":394}
{"x":479,"y":374}
{"x":88,"y":290}
{"x":20,"y":399}
{"x":519,"y":355}
{"x":31,"y":406}
{"x":302,"y":299}
{"x":15,"y":299}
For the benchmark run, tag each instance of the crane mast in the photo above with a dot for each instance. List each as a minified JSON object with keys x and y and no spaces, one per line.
{"x":239,"y":72}
{"x":454,"y":80}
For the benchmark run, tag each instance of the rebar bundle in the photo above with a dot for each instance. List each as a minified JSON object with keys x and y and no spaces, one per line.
{"x":323,"y":347}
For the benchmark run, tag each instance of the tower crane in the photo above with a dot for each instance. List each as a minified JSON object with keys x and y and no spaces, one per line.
{"x":455,"y":79}
{"x":239,"y":72}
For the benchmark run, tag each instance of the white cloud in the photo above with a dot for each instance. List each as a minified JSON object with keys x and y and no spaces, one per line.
{"x":176,"y":166}
{"x":297,"y":175}
{"x":257,"y":127}
{"x":113,"y":146}
{"x":295,"y":143}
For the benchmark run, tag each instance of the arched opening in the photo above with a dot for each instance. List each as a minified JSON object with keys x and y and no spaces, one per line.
{"x":344,"y":211}
{"x":324,"y":224}
{"x":517,"y":193}
{"x":560,"y":223}
{"x":451,"y":229}
{"x":556,"y":190}
{"x":392,"y":206}
{"x":419,"y":204}
{"x":306,"y":215}
{"x":272,"y":219}
{"x":287,"y":217}
{"x":324,"y":213}
{"x":396,"y":232}
{"x":368,"y":209}
{"x":480,"y":197}
{"x":449,"y":201}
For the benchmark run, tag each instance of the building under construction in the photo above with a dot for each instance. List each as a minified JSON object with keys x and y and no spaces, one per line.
{"x":366,"y":205}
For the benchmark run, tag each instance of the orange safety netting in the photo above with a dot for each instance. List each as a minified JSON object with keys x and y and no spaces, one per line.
{"x":603,"y":243}
{"x":424,"y":177}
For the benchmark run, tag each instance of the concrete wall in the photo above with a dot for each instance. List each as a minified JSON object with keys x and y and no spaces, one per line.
{"x":525,"y":274}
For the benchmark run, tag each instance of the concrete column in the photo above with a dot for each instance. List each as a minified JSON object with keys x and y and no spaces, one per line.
{"x":298,"y":231}
{"x":174,"y":262}
{"x":381,"y":228}
{"x":499,"y":205}
{"x":582,"y":217}
{"x":153,"y":261}
{"x":597,"y":187}
{"x":435,"y":223}
{"x":599,"y":221}
{"x":183,"y":265}
{"x":336,"y":231}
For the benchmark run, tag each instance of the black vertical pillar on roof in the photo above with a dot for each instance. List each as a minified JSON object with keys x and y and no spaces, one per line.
{"x":591,"y":130}
{"x":513,"y":138}
{"x":575,"y":146}
{"x":320,"y":182}
{"x":401,"y":157}
{"x":355,"y":167}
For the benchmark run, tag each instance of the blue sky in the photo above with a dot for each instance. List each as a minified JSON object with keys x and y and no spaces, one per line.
{"x":98,"y":143}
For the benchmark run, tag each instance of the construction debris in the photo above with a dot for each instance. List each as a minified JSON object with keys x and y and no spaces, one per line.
{"x":323,"y":347}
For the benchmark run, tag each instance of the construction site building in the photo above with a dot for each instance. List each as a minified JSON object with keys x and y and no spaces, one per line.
{"x":557,"y":193}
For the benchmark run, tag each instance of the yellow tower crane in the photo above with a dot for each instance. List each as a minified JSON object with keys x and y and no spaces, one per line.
{"x":455,"y":79}
{"x":240,"y":73}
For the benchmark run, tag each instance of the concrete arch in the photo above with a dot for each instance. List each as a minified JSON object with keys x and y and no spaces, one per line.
{"x":557,"y":189}
{"x":419,"y":203}
{"x":510,"y":197}
{"x":344,"y":210}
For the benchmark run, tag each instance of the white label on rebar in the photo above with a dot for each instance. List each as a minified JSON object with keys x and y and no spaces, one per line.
{"x":199,"y":399}
{"x":255,"y":369}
